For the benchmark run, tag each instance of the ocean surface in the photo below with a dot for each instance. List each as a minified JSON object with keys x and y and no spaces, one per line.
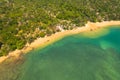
{"x":93,"y":55}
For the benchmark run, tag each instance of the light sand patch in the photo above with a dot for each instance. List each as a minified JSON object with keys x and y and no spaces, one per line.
{"x":96,"y":33}
{"x":106,"y":45}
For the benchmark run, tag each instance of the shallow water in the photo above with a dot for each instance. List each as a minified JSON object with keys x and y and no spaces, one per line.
{"x":76,"y":57}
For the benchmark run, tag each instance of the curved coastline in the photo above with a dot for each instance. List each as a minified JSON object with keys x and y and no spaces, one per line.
{"x":42,"y":42}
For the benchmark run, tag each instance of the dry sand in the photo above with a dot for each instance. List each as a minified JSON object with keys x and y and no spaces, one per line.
{"x":42,"y":42}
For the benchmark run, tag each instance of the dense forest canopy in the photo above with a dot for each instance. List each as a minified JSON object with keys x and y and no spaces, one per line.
{"x":22,"y":21}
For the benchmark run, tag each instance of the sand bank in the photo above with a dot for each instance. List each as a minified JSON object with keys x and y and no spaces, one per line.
{"x":42,"y":42}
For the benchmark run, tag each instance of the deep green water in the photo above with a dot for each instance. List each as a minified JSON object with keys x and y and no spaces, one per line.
{"x":75,"y":57}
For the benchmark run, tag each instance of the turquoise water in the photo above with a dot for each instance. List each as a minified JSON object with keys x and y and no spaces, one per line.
{"x":76,"y":57}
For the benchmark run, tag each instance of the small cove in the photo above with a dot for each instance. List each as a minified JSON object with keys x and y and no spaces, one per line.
{"x":75,"y":57}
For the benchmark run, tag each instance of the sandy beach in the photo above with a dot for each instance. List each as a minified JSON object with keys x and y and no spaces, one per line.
{"x":42,"y":42}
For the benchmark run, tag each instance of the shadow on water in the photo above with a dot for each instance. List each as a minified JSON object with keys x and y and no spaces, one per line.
{"x":10,"y":69}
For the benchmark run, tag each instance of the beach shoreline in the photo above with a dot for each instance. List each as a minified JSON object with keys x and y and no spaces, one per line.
{"x":42,"y":42}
